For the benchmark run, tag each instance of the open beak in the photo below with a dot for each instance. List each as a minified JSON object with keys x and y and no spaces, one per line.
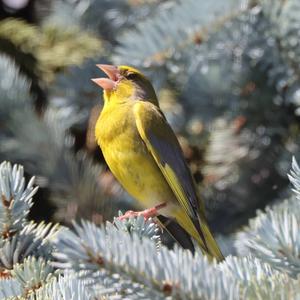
{"x":113,"y":74}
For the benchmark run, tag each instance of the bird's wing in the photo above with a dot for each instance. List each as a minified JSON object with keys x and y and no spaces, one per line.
{"x":165,"y":149}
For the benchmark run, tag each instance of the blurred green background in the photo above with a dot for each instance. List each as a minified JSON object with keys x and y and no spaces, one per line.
{"x":227,"y":76}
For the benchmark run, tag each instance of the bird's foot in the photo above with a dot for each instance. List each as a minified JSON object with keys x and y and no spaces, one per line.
{"x":147,"y":213}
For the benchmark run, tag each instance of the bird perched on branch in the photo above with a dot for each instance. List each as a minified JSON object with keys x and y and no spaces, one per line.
{"x":144,"y":155}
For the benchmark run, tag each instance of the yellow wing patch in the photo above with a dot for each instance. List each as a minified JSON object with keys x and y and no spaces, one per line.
{"x":147,"y":119}
{"x":164,"y":147}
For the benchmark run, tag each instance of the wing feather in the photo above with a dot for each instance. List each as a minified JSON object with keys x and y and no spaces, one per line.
{"x":165,"y":149}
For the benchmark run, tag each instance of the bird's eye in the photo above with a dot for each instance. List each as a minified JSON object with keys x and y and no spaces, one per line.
{"x":131,"y":76}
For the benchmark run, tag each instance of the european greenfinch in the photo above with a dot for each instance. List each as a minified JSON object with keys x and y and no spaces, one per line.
{"x":144,"y":155}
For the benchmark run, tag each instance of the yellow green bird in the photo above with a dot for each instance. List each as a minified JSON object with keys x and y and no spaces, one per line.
{"x":144,"y":155}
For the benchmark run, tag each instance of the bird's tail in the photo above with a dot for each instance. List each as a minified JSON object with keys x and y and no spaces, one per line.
{"x":176,"y":232}
{"x":200,"y":232}
{"x":207,"y":242}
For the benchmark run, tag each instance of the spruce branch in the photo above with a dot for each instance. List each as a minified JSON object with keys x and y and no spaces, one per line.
{"x":64,"y":94}
{"x":16,"y":199}
{"x":140,"y":227}
{"x":60,"y":48}
{"x":167,"y":39}
{"x":283,"y":35}
{"x":163,"y":272}
{"x":116,"y":15}
{"x":277,"y":240}
{"x":258,"y":280}
{"x":65,"y":287}
{"x":245,"y":269}
{"x":274,"y":236}
{"x":294,"y":177}
{"x":24,"y":245}
{"x":33,"y":240}
{"x":224,"y":137}
{"x":285,"y":25}
{"x":240,"y":64}
{"x":106,"y":261}
{"x":110,"y":261}
{"x":44,"y":146}
{"x":32,"y":274}
{"x":9,"y":288}
{"x":14,"y":88}
{"x":49,"y":49}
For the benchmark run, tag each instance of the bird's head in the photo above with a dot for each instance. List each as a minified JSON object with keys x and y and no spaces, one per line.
{"x":125,"y":84}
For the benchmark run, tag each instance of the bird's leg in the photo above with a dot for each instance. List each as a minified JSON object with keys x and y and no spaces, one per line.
{"x":147,"y":213}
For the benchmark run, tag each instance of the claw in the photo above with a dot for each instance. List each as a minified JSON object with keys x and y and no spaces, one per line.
{"x":147,"y":213}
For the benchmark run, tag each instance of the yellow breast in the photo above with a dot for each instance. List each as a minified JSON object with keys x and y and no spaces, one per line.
{"x":128,"y":158}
